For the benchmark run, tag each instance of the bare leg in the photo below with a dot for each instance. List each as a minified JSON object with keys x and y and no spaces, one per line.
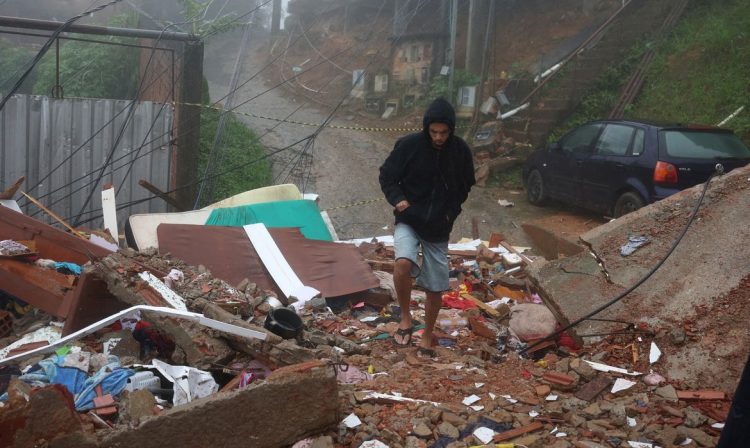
{"x":432,"y":307}
{"x":402,"y":283}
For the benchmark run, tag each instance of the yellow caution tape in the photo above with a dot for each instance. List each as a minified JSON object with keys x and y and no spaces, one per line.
{"x":302,"y":123}
{"x":355,"y":204}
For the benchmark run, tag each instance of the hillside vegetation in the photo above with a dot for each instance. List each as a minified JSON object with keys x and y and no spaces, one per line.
{"x":700,"y":74}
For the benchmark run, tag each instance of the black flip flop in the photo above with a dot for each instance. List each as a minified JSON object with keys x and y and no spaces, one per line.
{"x":405,"y":333}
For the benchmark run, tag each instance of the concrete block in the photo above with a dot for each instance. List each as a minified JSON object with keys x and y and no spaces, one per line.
{"x":295,"y":402}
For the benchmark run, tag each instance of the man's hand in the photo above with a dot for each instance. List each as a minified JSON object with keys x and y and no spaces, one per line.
{"x":403,"y":205}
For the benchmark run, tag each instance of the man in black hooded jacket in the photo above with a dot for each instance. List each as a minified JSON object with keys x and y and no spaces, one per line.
{"x":426,"y":178}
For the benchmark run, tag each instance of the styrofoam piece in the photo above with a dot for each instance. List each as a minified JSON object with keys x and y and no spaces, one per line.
{"x":142,"y":380}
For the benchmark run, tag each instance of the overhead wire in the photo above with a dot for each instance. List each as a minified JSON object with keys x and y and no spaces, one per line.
{"x":310,"y":145}
{"x":213,"y":154}
{"x":718,"y":171}
{"x":103,"y":127}
{"x":46,"y":47}
{"x":132,"y":108}
{"x":420,"y":4}
{"x":191,"y":130}
{"x":115,"y":144}
{"x":183,"y":133}
{"x":258,"y":138}
{"x":314,"y":135}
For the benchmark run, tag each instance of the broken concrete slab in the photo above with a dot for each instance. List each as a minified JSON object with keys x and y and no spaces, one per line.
{"x":710,"y":262}
{"x":295,"y":402}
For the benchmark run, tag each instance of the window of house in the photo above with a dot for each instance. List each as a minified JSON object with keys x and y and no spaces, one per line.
{"x":425,"y":75}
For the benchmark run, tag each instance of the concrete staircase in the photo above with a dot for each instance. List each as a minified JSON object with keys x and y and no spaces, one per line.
{"x":556,"y":100}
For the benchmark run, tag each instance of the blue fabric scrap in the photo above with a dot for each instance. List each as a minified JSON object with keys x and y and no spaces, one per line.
{"x":70,"y":267}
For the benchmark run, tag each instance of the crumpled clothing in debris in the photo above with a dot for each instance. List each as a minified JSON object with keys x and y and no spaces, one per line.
{"x":112,"y":377}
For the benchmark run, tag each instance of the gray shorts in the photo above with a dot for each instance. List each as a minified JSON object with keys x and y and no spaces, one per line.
{"x":432,"y":274}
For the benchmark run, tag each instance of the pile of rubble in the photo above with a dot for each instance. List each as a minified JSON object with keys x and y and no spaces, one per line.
{"x":148,"y":345}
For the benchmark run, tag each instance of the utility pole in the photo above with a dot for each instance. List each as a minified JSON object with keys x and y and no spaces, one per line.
{"x":276,"y":17}
{"x":479,"y":15}
{"x":189,"y":118}
{"x":452,"y":50}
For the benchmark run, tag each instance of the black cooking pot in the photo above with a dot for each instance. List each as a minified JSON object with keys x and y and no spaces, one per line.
{"x":283,"y":322}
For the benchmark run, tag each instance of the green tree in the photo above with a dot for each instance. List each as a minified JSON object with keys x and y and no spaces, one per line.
{"x":195,"y":12}
{"x":240,"y":147}
{"x":13,"y":60}
{"x":93,"y":70}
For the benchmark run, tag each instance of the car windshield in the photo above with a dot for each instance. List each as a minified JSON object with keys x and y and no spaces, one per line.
{"x":703,"y":145}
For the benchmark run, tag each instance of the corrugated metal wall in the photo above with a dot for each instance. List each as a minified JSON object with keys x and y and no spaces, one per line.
{"x":38,"y":134}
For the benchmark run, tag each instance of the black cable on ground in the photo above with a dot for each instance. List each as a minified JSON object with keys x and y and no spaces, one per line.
{"x":718,"y":171}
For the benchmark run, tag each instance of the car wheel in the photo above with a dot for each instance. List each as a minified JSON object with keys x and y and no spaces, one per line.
{"x":535,"y":188}
{"x":628,"y":202}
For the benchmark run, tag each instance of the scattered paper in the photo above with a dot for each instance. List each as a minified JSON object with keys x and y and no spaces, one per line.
{"x":511,"y":400}
{"x":369,"y":319}
{"x":640,"y":444}
{"x":477,"y":408}
{"x":505,"y":203}
{"x":554,"y":430}
{"x":373,"y":444}
{"x":188,"y":383}
{"x":492,"y":396}
{"x":533,"y":414}
{"x":687,"y":441}
{"x":622,"y":384}
{"x":631,"y":421}
{"x":352,"y":421}
{"x":484,"y":434}
{"x":551,"y":397}
{"x":561,"y":434}
{"x":655,"y":353}
{"x":471,"y":399}
{"x":497,"y":302}
{"x":718,"y":425}
{"x":478,"y":385}
{"x":605,"y":368}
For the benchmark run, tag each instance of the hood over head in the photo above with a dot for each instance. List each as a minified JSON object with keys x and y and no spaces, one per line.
{"x":439,"y":111}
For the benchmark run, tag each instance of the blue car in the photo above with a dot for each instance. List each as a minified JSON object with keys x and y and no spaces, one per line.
{"x":615,"y":167}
